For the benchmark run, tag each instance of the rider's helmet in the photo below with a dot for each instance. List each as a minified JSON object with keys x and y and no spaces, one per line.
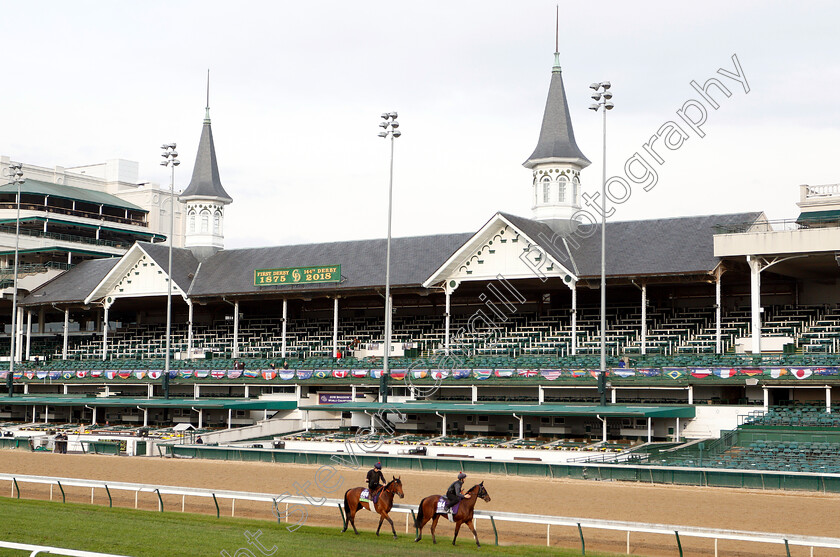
{"x":378,"y":466}
{"x":461,"y":476}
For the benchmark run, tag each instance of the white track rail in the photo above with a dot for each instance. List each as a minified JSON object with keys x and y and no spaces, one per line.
{"x":580,"y":523}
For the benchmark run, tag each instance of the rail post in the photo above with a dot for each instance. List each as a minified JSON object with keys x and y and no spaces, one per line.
{"x":17,"y":487}
{"x":495,"y":532}
{"x":216,"y":501}
{"x":679,"y":545}
{"x":787,"y":548}
{"x":63,"y":498}
{"x":110,"y":501}
{"x":343,"y":518}
{"x":160,"y":500}
{"x":582,"y":541}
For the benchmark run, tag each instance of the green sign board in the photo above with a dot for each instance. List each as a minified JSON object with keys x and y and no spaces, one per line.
{"x":298,"y":275}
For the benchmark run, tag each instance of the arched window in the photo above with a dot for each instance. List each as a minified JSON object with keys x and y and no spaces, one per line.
{"x":192,"y":221}
{"x":575,"y":190}
{"x":205,"y":222}
{"x":562,"y":189}
{"x":217,"y":223}
{"x":546,"y":182}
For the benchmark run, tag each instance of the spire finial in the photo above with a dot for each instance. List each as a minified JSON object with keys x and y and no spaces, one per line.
{"x":557,"y":41}
{"x":207,"y":107}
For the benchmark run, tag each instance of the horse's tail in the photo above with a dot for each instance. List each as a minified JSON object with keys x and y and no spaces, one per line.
{"x":419,"y":519}
{"x":346,"y":503}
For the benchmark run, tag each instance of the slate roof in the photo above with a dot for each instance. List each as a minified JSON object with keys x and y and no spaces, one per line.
{"x":205,"y":178}
{"x":184,"y":263}
{"x":37,"y":187}
{"x":362,"y":262}
{"x":557,"y":138}
{"x":74,"y":285}
{"x":680,"y":245}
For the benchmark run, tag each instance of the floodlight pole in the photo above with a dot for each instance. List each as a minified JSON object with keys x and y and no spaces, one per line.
{"x":602,"y":91}
{"x":16,"y":175}
{"x":171,"y":160}
{"x":390,"y":129}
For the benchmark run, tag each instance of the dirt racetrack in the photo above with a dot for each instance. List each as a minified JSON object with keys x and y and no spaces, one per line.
{"x":765,"y":511}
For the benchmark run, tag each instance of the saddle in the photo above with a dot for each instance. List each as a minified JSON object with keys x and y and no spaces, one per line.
{"x":441,"y":508}
{"x":365,"y":497}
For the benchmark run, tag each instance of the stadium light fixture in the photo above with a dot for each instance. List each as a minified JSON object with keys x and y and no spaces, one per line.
{"x":602,"y":90}
{"x":389,"y":124}
{"x":15,"y":174}
{"x":170,"y":156}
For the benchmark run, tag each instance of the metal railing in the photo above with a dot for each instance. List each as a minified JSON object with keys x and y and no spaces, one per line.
{"x":66,"y":237}
{"x":777,"y":225}
{"x":28,"y":268}
{"x":75,"y":212}
{"x":493,"y":516}
{"x":36,"y":549}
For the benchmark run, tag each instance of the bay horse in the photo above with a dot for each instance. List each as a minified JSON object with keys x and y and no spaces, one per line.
{"x":428,"y":511}
{"x":383,"y":504}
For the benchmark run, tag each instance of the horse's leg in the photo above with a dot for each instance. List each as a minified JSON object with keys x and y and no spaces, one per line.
{"x":457,"y":527}
{"x":393,"y":530}
{"x":351,"y":518}
{"x":381,"y":518}
{"x":434,"y":526}
{"x":475,"y":534}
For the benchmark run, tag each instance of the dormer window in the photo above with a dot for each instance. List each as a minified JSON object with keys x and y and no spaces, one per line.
{"x":561,"y":195}
{"x":546,"y":184}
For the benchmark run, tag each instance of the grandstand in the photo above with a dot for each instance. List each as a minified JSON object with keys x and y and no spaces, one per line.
{"x":725,"y":322}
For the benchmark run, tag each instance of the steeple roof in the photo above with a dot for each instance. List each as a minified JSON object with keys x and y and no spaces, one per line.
{"x":557,"y":138}
{"x":205,"y":179}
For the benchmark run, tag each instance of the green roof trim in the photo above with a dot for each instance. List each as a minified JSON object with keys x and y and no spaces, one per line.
{"x":833,"y":215}
{"x":491,"y":408}
{"x":73,"y":193}
{"x":63,"y":250}
{"x":119,"y":402}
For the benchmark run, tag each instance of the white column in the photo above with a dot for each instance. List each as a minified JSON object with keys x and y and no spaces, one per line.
{"x":677,"y":431}
{"x":41,"y":320}
{"x":94,"y":416}
{"x":28,"y":333}
{"x":283,"y":329}
{"x":105,"y":334}
{"x":247,"y":391}
{"x":230,"y":418}
{"x":196,"y":392}
{"x":650,"y":430}
{"x":613,"y":395}
{"x":200,"y":418}
{"x":766,"y":398}
{"x":335,"y":327}
{"x":150,"y":390}
{"x":443,"y":429}
{"x":145,"y":417}
{"x":718,"y":342}
{"x":19,"y":341}
{"x":604,"y":432}
{"x":46,"y":414}
{"x":66,"y":333}
{"x":235,"y":330}
{"x":521,"y":427}
{"x":828,"y":399}
{"x":755,"y":302}
{"x":644,"y":319}
{"x":540,"y":395}
{"x":446,"y":337}
{"x":574,"y":319}
{"x":189,"y":328}
{"x":690,"y":394}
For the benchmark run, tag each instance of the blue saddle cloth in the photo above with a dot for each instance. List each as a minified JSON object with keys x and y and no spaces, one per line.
{"x":441,"y":506}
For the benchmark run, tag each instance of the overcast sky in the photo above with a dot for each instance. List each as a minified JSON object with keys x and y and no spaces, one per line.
{"x":297,"y":89}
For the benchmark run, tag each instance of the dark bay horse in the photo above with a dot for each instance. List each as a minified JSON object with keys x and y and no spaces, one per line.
{"x":428,"y":511}
{"x":383,"y":504}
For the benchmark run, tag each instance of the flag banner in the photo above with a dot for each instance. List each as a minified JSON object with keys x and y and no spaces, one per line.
{"x":81,"y":374}
{"x":41,"y":374}
{"x":234,"y":373}
{"x":550,"y":374}
{"x":359,"y":373}
{"x":420,"y":373}
{"x":286,"y":374}
{"x":268,"y":374}
{"x":321,"y":373}
{"x":173,"y":373}
{"x":124,"y":374}
{"x":202,"y":373}
{"x":482,"y":374}
{"x":304,"y":374}
{"x":140,"y":373}
{"x":504,"y":373}
{"x":752,"y":371}
{"x":93,"y":373}
{"x":526,"y":372}
{"x":826,"y":371}
{"x":340,"y":373}
{"x":700,"y":372}
{"x":725,"y":372}
{"x":154,"y":374}
{"x":439,"y":374}
{"x":29,"y":374}
{"x":397,"y":374}
{"x":596,"y":372}
{"x":70,"y":375}
{"x":375,"y":373}
{"x":801,"y":372}
{"x":185,"y":373}
{"x":17,"y":375}
{"x":4,"y":374}
{"x":251,"y":373}
{"x":218,"y":374}
{"x":461,"y":374}
{"x":623,"y":372}
{"x":673,"y":372}
{"x":776,"y":372}
{"x":649,"y":372}
{"x":578,"y":373}
{"x":109,"y":374}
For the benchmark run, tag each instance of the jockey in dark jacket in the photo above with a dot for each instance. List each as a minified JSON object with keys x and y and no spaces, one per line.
{"x":375,"y":479}
{"x":456,"y":492}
